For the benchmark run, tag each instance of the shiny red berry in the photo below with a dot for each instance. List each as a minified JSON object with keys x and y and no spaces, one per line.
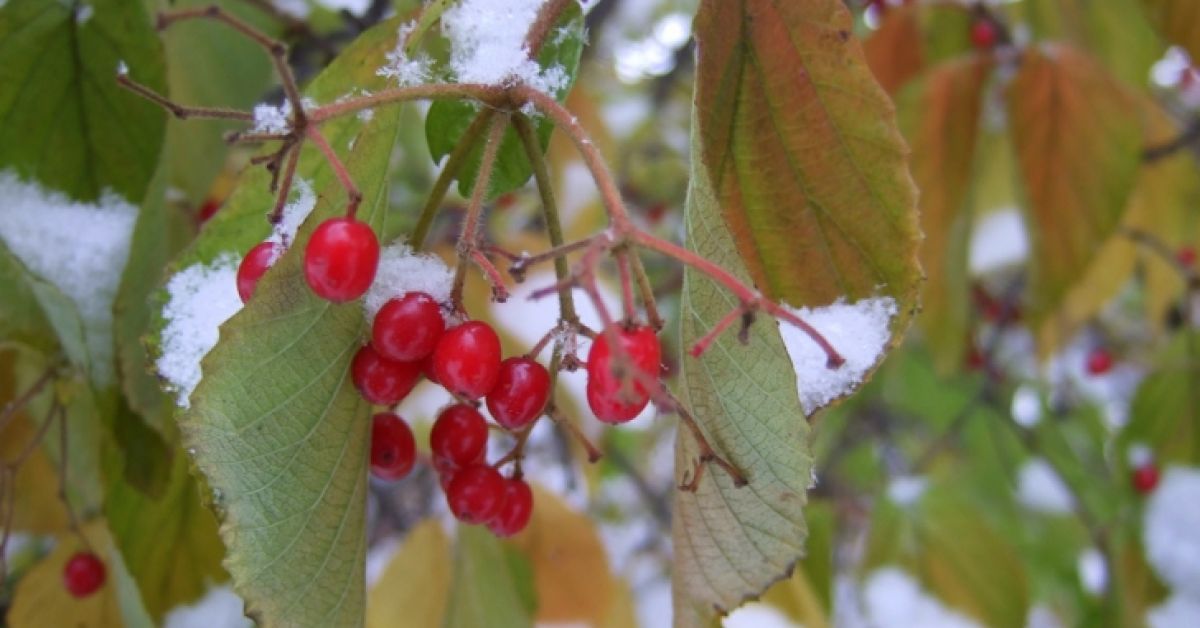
{"x":983,"y":35}
{"x":476,"y":494}
{"x":515,"y":511}
{"x":520,"y":394}
{"x":467,"y":359}
{"x":382,"y":381}
{"x":1099,"y":362}
{"x":459,"y":436}
{"x":408,"y":328}
{"x":254,"y":265}
{"x":83,"y":574}
{"x":393,"y":450}
{"x":340,"y":259}
{"x":1186,"y":256}
{"x":1145,"y":479}
{"x":609,"y":399}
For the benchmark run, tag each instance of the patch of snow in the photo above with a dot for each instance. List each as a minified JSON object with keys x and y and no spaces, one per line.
{"x":858,"y":331}
{"x":201,"y":298}
{"x":276,"y":119}
{"x":1026,"y":406}
{"x":892,"y":598}
{"x":1171,"y":530}
{"x":1093,"y":571}
{"x":379,"y":556}
{"x":80,"y":248}
{"x":1040,"y":489}
{"x":1177,"y":611}
{"x":401,"y":271}
{"x":406,"y":70}
{"x":1166,"y":71}
{"x":83,"y":13}
{"x":999,"y":240}
{"x":298,"y":9}
{"x":357,"y":7}
{"x":1139,"y":454}
{"x":482,"y":53}
{"x":758,"y":615}
{"x":906,"y":490}
{"x":219,"y":608}
{"x":294,"y":214}
{"x":122,"y":68}
{"x":1041,"y":616}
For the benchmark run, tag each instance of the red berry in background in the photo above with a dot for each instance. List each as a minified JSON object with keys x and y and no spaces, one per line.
{"x":520,"y":394}
{"x":256,"y":262}
{"x":975,"y":360}
{"x":609,"y":400}
{"x":83,"y":574}
{"x":1145,"y":478}
{"x":207,"y":210}
{"x":1099,"y":362}
{"x":393,"y":449}
{"x":340,"y":259}
{"x":515,"y":511}
{"x":476,"y":494}
{"x":1186,"y":256}
{"x":459,"y":436}
{"x":983,"y":34}
{"x":382,"y":381}
{"x":408,"y":328}
{"x":467,"y":359}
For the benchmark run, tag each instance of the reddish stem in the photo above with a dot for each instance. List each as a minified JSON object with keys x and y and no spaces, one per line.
{"x":339,"y":169}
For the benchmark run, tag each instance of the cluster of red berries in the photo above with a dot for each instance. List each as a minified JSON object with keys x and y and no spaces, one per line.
{"x":83,"y":574}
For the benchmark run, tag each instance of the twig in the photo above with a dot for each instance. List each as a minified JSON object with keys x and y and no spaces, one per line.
{"x":353,"y":195}
{"x":454,"y":163}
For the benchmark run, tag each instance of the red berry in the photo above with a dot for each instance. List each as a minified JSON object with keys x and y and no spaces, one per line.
{"x":380,"y":380}
{"x":609,"y":400}
{"x":975,"y":360}
{"x":476,"y":494}
{"x":408,"y":328}
{"x":515,"y":511}
{"x":1186,"y":256}
{"x":1145,"y":478}
{"x":459,"y":436}
{"x":467,"y":359}
{"x":207,"y":210}
{"x":393,"y":450}
{"x":983,"y":34}
{"x":340,"y":259}
{"x":1099,"y":362}
{"x":256,"y":262}
{"x":83,"y":574}
{"x":520,"y":394}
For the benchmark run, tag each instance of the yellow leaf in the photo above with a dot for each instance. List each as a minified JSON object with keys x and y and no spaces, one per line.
{"x":415,"y":584}
{"x":41,"y":600}
{"x":570,"y":567}
{"x":1179,"y":22}
{"x":38,"y":509}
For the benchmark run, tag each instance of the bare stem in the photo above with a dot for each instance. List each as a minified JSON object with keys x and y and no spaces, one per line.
{"x":626,"y":279}
{"x":647,"y":292}
{"x":339,"y":169}
{"x":285,"y":178}
{"x":726,"y":322}
{"x":707,"y":454}
{"x":487,"y":94}
{"x":556,"y":415}
{"x":180,"y":111}
{"x":12,"y":407}
{"x":468,"y":240}
{"x":450,"y":170}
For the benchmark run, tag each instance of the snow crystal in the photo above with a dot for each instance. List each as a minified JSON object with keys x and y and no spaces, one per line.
{"x":80,"y":248}
{"x":1026,"y":406}
{"x":400,"y":271}
{"x":999,"y":240}
{"x":298,"y":9}
{"x":1177,"y":611}
{"x":1040,"y":489}
{"x":1093,"y":571}
{"x":858,"y":331}
{"x":1171,"y":530}
{"x":892,"y":598}
{"x":294,"y":213}
{"x":906,"y":490}
{"x":122,"y":68}
{"x":219,"y":608}
{"x":201,"y":298}
{"x":406,"y":70}
{"x":276,"y":119}
{"x":483,"y":53}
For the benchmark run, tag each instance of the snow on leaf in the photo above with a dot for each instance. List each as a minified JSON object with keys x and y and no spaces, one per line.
{"x":893,"y":599}
{"x":482,"y":53}
{"x":201,"y":298}
{"x":1041,"y":489}
{"x":1171,"y":530}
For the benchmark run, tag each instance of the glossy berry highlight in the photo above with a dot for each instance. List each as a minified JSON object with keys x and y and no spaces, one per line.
{"x":382,"y":381}
{"x":476,"y":494}
{"x":520,"y":394}
{"x":515,"y":511}
{"x":611,"y":399}
{"x":393,"y":449}
{"x":466,"y":360}
{"x":341,"y":259}
{"x":83,"y":574}
{"x":459,"y":436}
{"x":254,"y":266}
{"x":408,"y":328}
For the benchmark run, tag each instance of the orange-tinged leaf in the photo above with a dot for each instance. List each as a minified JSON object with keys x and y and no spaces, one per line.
{"x":570,"y":566}
{"x":1178,"y":21}
{"x":1078,"y":139}
{"x":894,"y":51}
{"x":942,"y":122}
{"x":801,"y":145}
{"x":41,"y":599}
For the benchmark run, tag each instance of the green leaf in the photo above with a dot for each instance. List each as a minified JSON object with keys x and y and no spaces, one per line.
{"x":1078,"y":138}
{"x":732,"y":543}
{"x":941,"y":120}
{"x":1178,"y":21}
{"x":49,"y":305}
{"x":1115,"y":32}
{"x":801,"y":146}
{"x":64,"y":121}
{"x":484,"y":591}
{"x":1166,"y":409}
{"x":275,"y":425}
{"x":144,"y":459}
{"x":447,"y":121}
{"x":21,"y":317}
{"x":169,"y":542}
